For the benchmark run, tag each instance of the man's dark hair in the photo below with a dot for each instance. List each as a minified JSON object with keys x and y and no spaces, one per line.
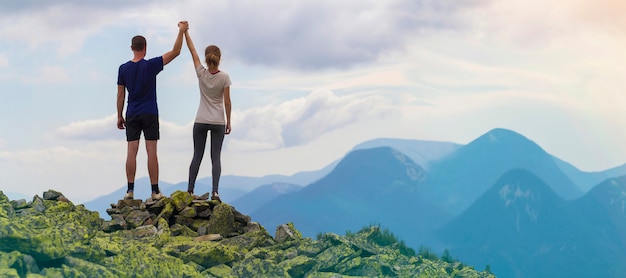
{"x":138,"y":43}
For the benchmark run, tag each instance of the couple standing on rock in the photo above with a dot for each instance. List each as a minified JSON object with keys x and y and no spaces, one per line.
{"x":138,"y":77}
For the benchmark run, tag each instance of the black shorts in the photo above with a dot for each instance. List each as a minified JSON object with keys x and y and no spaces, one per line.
{"x":147,"y":123}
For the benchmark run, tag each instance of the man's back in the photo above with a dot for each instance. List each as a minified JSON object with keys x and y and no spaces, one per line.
{"x":139,"y":78}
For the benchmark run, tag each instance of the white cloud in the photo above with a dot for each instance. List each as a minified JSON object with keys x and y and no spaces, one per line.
{"x":301,"y":120}
{"x":318,"y":34}
{"x":91,"y":130}
{"x":49,"y":24}
{"x":105,"y":129}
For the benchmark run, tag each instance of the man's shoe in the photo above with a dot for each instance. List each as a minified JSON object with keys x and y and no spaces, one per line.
{"x":129,"y":196}
{"x":157,"y":196}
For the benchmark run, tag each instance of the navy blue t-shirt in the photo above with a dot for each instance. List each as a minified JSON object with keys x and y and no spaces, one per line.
{"x":139,"y":78}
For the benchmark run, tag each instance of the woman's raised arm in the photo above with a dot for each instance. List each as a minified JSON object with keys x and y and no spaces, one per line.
{"x":192,"y":50}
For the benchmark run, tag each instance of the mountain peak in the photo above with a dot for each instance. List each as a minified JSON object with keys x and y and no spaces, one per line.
{"x":492,"y":155}
{"x":503,"y":132}
{"x":420,"y":151}
{"x":379,"y":162}
{"x":501,"y":135}
{"x":521,"y":187}
{"x":611,"y":195}
{"x":499,"y":141}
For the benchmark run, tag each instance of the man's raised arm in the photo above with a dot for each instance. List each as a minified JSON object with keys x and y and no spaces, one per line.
{"x":170,"y":55}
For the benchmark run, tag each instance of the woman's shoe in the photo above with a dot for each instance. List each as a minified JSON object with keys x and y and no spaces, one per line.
{"x":216,"y":197}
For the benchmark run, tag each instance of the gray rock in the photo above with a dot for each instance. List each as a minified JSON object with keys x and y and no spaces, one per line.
{"x":136,"y":218}
{"x":38,"y":204}
{"x":51,"y":195}
{"x":286,"y":232}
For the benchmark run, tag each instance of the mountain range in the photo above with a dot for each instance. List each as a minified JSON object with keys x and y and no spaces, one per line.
{"x":522,"y":228}
{"x":501,"y":200}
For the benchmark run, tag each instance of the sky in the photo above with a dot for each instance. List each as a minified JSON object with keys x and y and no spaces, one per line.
{"x":310,"y":80}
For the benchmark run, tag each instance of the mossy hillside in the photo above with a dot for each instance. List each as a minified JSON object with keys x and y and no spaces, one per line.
{"x":51,"y":237}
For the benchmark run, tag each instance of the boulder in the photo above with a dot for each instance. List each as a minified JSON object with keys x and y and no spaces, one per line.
{"x":287,"y":232}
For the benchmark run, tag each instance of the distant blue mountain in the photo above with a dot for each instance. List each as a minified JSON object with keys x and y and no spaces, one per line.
{"x":370,"y":186}
{"x":263,"y":195}
{"x":587,"y":180}
{"x":236,"y":187}
{"x":423,"y":153}
{"x":459,"y":179}
{"x":17,"y":196}
{"x":603,"y":209}
{"x":521,"y":228}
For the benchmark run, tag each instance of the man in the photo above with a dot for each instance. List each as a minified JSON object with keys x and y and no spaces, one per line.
{"x":138,"y":77}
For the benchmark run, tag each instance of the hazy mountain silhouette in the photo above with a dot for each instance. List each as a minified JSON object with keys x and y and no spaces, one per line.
{"x":521,"y":228}
{"x":371,"y":186}
{"x":423,"y":153}
{"x":603,"y":210}
{"x":587,"y":180}
{"x":458,"y":179}
{"x":263,"y":195}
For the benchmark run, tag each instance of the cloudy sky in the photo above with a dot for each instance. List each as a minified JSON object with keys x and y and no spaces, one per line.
{"x":311,"y":79}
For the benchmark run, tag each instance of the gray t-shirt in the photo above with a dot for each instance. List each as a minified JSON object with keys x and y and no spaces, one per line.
{"x":211,"y":108}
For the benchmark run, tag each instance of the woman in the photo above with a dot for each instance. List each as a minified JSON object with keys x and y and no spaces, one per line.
{"x":213,"y":113}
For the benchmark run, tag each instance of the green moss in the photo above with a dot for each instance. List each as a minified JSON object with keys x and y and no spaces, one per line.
{"x":94,"y":270}
{"x":6,"y":209}
{"x":197,"y":223}
{"x":144,"y":260}
{"x":61,"y":231}
{"x":295,"y":231}
{"x":181,"y":199}
{"x":49,"y":238}
{"x":166,"y":213}
{"x":331,"y":257}
{"x":164,"y":234}
{"x":222,"y":220}
{"x":181,"y":230}
{"x":250,"y":240}
{"x":9,"y":273}
{"x":208,"y":254}
{"x":298,"y":266}
{"x":136,"y":218}
{"x":220,"y":271}
{"x":255,"y":267}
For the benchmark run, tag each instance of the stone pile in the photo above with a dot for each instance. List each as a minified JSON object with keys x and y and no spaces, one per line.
{"x":185,"y":215}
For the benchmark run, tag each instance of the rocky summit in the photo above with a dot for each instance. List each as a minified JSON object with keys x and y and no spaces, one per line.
{"x":186,"y":236}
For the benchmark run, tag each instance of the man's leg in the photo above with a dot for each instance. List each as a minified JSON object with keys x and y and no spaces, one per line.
{"x":151,"y":134}
{"x":133,"y":134}
{"x":153,"y":162}
{"x":131,"y":166}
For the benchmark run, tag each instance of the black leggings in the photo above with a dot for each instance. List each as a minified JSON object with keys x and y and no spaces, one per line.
{"x":199,"y":143}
